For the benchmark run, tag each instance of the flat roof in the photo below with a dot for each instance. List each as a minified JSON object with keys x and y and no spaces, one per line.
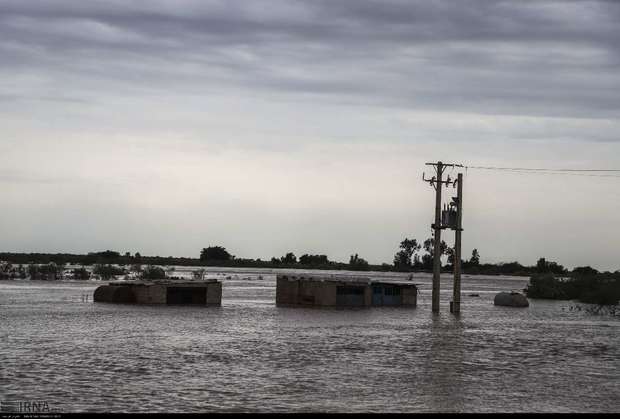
{"x":353,"y":280}
{"x":166,"y":282}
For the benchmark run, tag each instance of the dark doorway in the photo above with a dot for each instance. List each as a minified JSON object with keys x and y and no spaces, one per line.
{"x":187,"y":295}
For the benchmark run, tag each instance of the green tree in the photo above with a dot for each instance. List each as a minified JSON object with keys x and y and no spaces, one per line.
{"x":450,"y":252}
{"x":289,"y":258}
{"x":107,"y":271}
{"x":109,"y":254}
{"x":475,"y":258}
{"x":153,"y":272}
{"x":429,"y":247}
{"x":215,"y":253}
{"x":584,"y":271}
{"x":408,"y":248}
{"x":543,"y":266}
{"x":356,"y":263}
{"x":47,"y":272}
{"x":315,"y":260}
{"x":81,"y":273}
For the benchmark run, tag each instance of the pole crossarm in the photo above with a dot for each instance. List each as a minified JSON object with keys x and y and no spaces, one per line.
{"x":434,"y":180}
{"x":445,"y":164}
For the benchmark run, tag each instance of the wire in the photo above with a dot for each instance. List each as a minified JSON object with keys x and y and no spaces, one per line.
{"x":570,"y":172}
{"x":542,"y":170}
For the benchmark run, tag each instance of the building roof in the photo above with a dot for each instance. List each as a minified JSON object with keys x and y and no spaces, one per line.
{"x":353,"y":280}
{"x":167,"y":282}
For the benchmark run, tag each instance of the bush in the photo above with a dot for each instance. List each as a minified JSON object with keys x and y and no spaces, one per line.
{"x":601,"y":289}
{"x":357,"y":263}
{"x":153,"y":272}
{"x":81,"y":273}
{"x":107,"y":271}
{"x":546,"y":286}
{"x":47,"y":272}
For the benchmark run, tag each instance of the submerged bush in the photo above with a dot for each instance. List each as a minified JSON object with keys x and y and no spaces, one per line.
{"x":107,"y":271}
{"x":546,"y":286}
{"x":592,"y":288}
{"x":48,"y":272}
{"x":81,"y":273}
{"x":153,"y":272}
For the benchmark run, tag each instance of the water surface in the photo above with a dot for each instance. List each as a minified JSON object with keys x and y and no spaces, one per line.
{"x":250,"y":356}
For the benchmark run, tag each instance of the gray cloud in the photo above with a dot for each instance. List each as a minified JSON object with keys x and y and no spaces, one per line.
{"x":536,"y":58}
{"x":316,"y":116}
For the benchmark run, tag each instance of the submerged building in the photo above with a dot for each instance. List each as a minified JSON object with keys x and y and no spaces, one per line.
{"x":343,"y":291}
{"x":208,"y":292}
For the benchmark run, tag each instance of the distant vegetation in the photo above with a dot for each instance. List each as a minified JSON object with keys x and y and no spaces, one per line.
{"x":81,"y":273}
{"x":214,"y":254}
{"x":411,"y":256}
{"x":584,"y":284}
{"x":48,"y":272}
{"x":107,"y":271}
{"x":10,"y":271}
{"x":153,"y":272}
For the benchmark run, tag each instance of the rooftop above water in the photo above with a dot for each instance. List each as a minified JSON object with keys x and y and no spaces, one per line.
{"x":176,"y":283}
{"x":346,"y":278}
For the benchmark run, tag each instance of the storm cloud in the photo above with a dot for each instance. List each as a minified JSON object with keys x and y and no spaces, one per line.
{"x":88,"y":89}
{"x":541,"y":58}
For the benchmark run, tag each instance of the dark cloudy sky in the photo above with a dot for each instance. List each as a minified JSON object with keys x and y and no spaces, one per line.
{"x":273,"y":126}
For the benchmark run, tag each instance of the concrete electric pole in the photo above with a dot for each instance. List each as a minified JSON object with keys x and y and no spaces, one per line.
{"x":437,"y":182}
{"x":455,"y":305}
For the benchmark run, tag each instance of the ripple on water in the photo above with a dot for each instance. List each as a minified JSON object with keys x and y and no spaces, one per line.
{"x":250,"y":356}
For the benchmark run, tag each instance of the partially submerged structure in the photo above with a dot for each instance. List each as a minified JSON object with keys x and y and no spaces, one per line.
{"x":343,"y":291}
{"x":511,"y":299}
{"x":207,"y":292}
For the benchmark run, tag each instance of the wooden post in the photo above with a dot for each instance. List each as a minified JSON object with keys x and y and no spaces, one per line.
{"x":437,"y":249}
{"x":455,"y":307}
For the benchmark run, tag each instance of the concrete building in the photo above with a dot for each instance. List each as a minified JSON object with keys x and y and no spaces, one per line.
{"x":208,"y":292}
{"x":343,"y":291}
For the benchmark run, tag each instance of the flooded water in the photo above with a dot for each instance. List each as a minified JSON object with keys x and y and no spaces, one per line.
{"x":250,"y":356}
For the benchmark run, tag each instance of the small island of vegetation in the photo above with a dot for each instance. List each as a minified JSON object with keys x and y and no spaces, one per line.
{"x":584,"y":284}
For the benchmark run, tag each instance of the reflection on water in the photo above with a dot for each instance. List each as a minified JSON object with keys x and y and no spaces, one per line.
{"x":251,"y":356}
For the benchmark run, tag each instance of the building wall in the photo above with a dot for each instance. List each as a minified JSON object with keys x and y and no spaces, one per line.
{"x":151,"y":294}
{"x":286,"y":290}
{"x":293,"y":291}
{"x":409,"y":296}
{"x":156,"y":293}
{"x":214,"y":293}
{"x":368,"y":296}
{"x":317,"y":293}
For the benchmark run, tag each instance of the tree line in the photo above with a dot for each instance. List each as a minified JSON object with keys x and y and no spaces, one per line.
{"x":411,"y":256}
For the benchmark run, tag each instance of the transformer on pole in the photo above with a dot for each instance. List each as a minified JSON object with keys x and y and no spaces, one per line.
{"x":450,"y":217}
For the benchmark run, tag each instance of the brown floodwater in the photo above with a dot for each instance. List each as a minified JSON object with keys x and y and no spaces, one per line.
{"x":250,"y":356}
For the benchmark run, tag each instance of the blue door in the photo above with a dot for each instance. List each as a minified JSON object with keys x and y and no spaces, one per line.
{"x":391,"y":296}
{"x":377,"y":295}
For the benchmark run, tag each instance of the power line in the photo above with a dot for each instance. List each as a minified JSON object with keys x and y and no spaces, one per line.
{"x":540,"y":170}
{"x":570,"y":172}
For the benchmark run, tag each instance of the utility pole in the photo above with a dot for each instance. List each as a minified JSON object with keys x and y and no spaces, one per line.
{"x":437,"y":182}
{"x":455,"y":305}
{"x":437,"y":250}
